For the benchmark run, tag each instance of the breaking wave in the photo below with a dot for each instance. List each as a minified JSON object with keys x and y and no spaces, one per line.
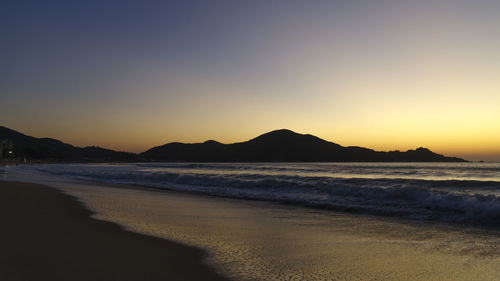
{"x":450,"y":193}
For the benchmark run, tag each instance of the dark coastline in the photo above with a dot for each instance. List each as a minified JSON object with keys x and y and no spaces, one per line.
{"x":276,"y":146}
{"x":47,"y":235}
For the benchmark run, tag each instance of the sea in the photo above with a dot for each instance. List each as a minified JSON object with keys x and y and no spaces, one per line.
{"x":462,"y":193}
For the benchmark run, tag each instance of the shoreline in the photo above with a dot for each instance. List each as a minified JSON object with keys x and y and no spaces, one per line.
{"x":472,"y":223}
{"x":50,"y":235}
{"x":251,"y":240}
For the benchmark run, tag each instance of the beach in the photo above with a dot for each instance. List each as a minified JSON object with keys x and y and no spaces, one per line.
{"x":250,"y":140}
{"x":255,"y":240}
{"x":47,"y":235}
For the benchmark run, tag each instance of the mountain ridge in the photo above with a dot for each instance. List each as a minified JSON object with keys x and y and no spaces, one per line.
{"x":53,"y":150}
{"x":276,"y":146}
{"x":285,"y":146}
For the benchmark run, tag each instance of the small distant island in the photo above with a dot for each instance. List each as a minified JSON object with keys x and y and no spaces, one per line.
{"x":276,"y":146}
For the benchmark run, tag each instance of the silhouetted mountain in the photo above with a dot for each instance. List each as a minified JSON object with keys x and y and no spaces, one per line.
{"x":275,"y":146}
{"x":54,"y":150}
{"x":284,"y":146}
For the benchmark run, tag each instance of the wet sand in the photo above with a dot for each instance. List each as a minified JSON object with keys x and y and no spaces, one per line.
{"x":264,"y":241}
{"x":47,"y":235}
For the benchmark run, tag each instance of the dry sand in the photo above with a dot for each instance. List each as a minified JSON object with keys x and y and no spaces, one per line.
{"x":46,"y":235}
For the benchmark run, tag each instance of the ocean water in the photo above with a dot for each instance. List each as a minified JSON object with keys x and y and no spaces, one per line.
{"x":464,"y":193}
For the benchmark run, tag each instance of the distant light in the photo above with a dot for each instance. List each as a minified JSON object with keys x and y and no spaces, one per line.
{"x":10,"y":151}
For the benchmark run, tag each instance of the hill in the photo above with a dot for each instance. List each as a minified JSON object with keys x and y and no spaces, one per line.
{"x":49,"y":149}
{"x":284,"y":146}
{"x":276,"y":146}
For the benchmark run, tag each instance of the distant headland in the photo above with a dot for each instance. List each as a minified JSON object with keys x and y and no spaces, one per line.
{"x":276,"y":146}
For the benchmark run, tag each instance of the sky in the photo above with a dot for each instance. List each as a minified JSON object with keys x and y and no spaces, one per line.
{"x":130,"y":75}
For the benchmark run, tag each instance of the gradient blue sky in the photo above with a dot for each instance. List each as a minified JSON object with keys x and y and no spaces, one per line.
{"x":129,"y":75}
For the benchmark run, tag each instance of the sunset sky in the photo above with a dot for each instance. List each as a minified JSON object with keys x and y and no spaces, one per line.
{"x":130,"y":75}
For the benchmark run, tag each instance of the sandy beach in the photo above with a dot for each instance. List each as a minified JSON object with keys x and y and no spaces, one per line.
{"x":47,"y":235}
